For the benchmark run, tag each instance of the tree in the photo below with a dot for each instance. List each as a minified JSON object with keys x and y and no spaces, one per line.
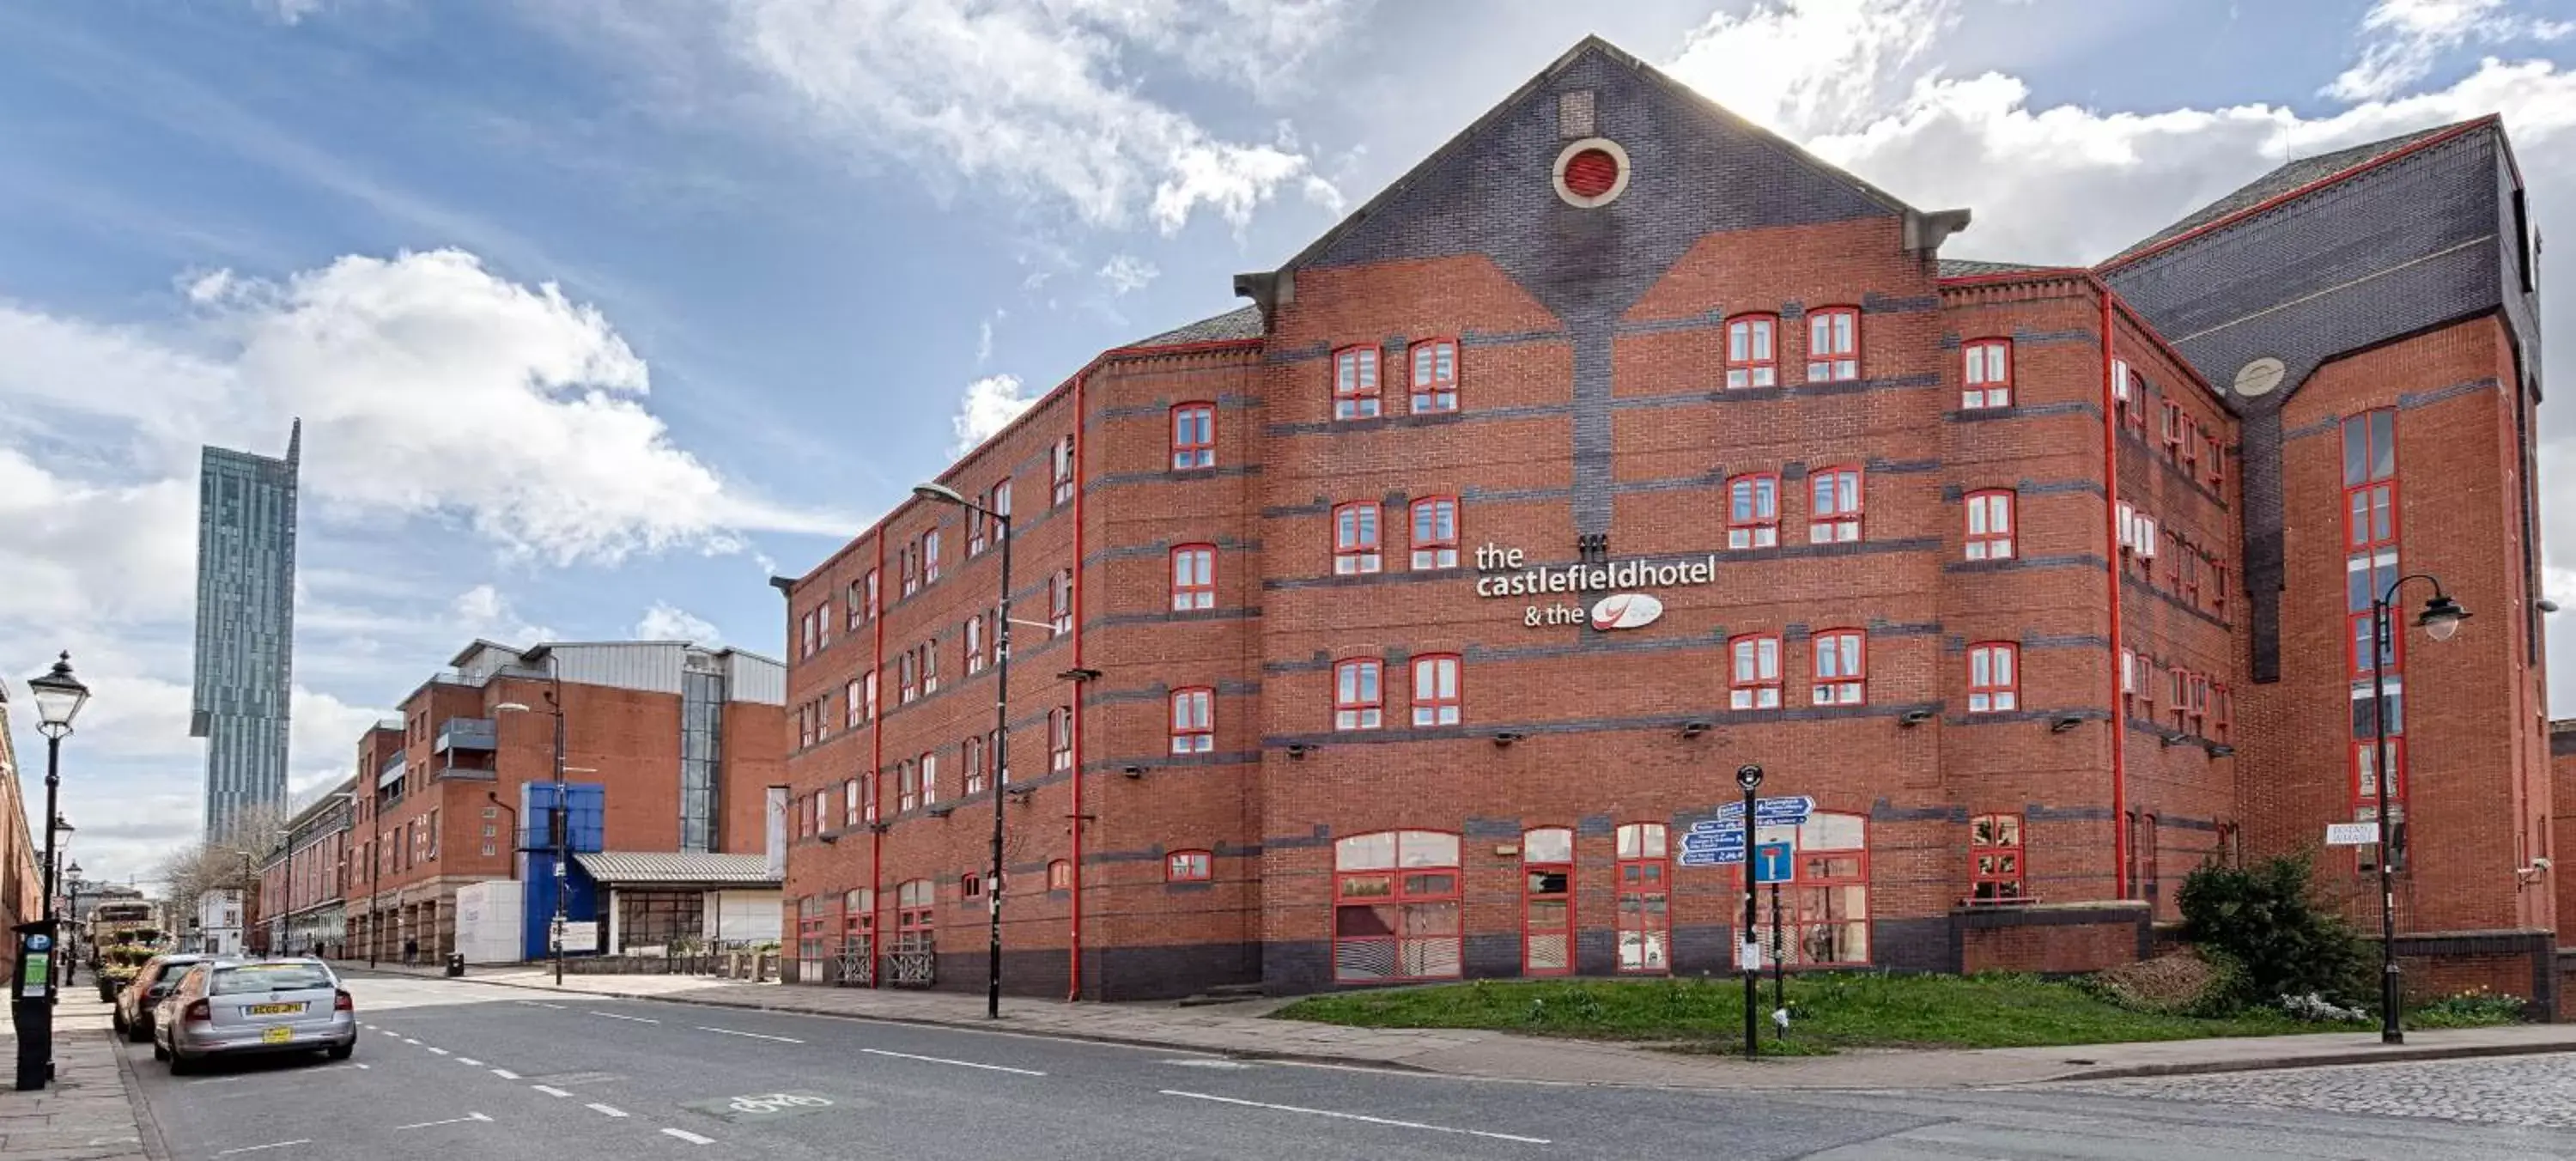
{"x":2266,"y":919}
{"x":226,"y":861}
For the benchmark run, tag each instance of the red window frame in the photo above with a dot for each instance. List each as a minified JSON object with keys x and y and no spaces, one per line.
{"x":929,"y":667}
{"x":1840,"y":658}
{"x":855,"y":703}
{"x":1547,"y":901}
{"x":1752,"y":351}
{"x":1434,"y":363}
{"x":1643,"y":874}
{"x":1439,"y":682}
{"x":1060,"y":468}
{"x":907,"y":678}
{"x":1060,"y":602}
{"x":1990,"y":519}
{"x":1059,"y":875}
{"x":1189,"y":866}
{"x":929,"y":766}
{"x":2181,"y":690}
{"x":1753,"y":671}
{"x":2198,"y":691}
{"x":1820,"y":915}
{"x":1359,"y":538}
{"x":1435,"y":532}
{"x":1835,"y":496}
{"x":1994,"y":677}
{"x":930,"y":558}
{"x":1833,"y":344}
{"x":1986,"y":374}
{"x":854,"y":608}
{"x":873,"y":594}
{"x":2150,"y":862}
{"x":2171,"y":427}
{"x":870,"y":689}
{"x":907,"y":786}
{"x":973,"y":630}
{"x":1193,"y":720}
{"x":1193,"y":436}
{"x":2364,"y":752}
{"x":2222,"y":711}
{"x":1753,"y":511}
{"x":859,"y":918}
{"x":972,"y":756}
{"x":1359,"y":693}
{"x":1412,"y":906}
{"x":1356,"y":383}
{"x":2187,"y":449}
{"x":908,"y":557}
{"x":1996,"y":850}
{"x":1193,"y":577}
{"x":916,"y":916}
{"x":1060,"y":738}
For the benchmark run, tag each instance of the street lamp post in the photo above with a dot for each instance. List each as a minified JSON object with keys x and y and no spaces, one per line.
{"x":2440,"y":620}
{"x":59,"y":698}
{"x":559,"y":824}
{"x":943,"y":494}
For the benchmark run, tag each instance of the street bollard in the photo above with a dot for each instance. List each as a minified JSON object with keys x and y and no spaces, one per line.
{"x":455,"y":964}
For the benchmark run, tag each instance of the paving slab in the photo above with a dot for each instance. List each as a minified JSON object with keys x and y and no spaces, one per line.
{"x":89,"y":1113}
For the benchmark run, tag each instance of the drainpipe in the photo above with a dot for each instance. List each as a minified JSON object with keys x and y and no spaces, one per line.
{"x":2111,"y":525}
{"x":1073,"y":975}
{"x":876,"y":770}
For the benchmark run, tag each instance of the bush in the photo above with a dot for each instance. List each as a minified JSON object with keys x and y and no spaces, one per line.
{"x":2474,"y":1008}
{"x":2265,"y":920}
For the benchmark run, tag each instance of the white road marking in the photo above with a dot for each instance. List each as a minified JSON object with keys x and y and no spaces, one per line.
{"x":270,"y":1145}
{"x":505,"y":1074}
{"x":469,"y":1062}
{"x":607,"y":1110}
{"x":409,"y":1040}
{"x":550,"y":1090}
{"x":362,"y":1066}
{"x":958,"y":1063}
{"x":387,"y":1032}
{"x":751,"y":1035}
{"x":468,"y":1118}
{"x":538,"y":1004}
{"x":688,"y":1136}
{"x":438,"y":1052}
{"x":615,"y":1016}
{"x":1209,"y":1062}
{"x":1200,"y":1096}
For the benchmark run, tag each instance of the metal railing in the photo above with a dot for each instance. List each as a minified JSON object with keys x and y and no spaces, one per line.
{"x":911,"y":969}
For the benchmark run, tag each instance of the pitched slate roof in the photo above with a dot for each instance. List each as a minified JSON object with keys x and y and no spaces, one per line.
{"x":1243,"y":322}
{"x":1971,"y":268}
{"x":677,"y":869}
{"x":2302,"y":172}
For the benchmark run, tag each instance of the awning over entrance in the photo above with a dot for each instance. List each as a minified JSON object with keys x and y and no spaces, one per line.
{"x":678,"y":869}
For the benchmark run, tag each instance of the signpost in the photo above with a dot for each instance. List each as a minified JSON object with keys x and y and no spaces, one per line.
{"x":1749,"y":777}
{"x":2352,"y":834}
{"x":1775,"y":863}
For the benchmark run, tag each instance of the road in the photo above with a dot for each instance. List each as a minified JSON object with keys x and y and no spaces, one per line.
{"x":454,"y":1069}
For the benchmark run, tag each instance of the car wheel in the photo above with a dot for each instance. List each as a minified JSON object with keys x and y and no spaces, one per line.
{"x":158,"y":1052}
{"x":181,"y":1065}
{"x":341,"y":1051}
{"x":142,"y":1033}
{"x":117,"y":1021}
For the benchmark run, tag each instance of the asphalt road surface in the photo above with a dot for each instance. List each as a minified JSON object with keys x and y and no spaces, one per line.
{"x":459,"y":1071}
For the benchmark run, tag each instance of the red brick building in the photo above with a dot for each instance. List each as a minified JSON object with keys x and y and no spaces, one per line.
{"x":1400,"y":625}
{"x":685,"y":740}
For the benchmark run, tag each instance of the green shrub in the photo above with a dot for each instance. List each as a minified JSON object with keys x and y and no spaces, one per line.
{"x":2474,"y":1008}
{"x":2264,"y":925}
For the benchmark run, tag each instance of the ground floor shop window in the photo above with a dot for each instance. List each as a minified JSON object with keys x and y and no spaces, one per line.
{"x":1396,"y":907}
{"x":1645,"y":902}
{"x":812,"y":915}
{"x":1547,"y":902}
{"x":1824,"y":909}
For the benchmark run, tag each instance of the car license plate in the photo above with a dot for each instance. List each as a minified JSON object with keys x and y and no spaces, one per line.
{"x":277,"y":1035}
{"x":273,"y":1009}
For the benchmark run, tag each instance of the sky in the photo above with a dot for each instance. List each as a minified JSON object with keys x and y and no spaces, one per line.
{"x":599,"y":312}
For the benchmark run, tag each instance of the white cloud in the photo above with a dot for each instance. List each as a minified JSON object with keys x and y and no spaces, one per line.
{"x":482,"y":612}
{"x":1045,"y":98}
{"x":990,"y":404}
{"x":2068,"y":184}
{"x":2403,"y":39}
{"x":666,"y":622}
{"x":984,"y":337}
{"x":1127,"y":273}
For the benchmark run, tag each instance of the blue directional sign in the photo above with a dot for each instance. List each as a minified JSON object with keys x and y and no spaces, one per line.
{"x":1713,"y":858}
{"x":1766,"y":812}
{"x":1774,"y":863}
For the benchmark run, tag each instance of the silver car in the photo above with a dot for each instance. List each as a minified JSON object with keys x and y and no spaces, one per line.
{"x":231,"y":1007}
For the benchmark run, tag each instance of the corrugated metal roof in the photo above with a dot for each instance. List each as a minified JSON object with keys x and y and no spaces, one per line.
{"x":1240,"y":323}
{"x":2304,"y":171}
{"x":677,"y":868}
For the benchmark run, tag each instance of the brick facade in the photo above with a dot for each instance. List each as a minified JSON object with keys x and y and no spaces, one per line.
{"x":1966,"y":820}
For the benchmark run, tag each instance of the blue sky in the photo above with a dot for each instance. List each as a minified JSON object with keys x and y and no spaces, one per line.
{"x":599,"y":312}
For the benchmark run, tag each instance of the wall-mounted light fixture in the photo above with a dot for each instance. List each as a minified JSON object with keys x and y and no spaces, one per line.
{"x":1914,"y":718}
{"x":1507,"y":737}
{"x":2065,"y":722}
{"x":1694,"y":729}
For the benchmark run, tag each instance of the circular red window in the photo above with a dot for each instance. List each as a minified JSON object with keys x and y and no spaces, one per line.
{"x":1591,"y":173}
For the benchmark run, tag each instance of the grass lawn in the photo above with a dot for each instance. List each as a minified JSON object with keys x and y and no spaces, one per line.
{"x":1828,"y":1012}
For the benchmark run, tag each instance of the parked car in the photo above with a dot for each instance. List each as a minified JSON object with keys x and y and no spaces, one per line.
{"x":260,"y":1005}
{"x":134,"y":1003}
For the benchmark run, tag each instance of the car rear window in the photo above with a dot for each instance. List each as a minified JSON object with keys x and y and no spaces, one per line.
{"x":268,"y":977}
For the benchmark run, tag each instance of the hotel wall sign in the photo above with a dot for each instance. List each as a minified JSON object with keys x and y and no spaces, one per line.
{"x":1506,"y":573}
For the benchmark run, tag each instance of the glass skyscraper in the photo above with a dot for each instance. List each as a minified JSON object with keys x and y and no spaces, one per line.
{"x":245,"y":626}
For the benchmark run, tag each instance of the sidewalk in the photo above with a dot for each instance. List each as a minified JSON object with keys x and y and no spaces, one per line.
{"x":1239,"y":1030}
{"x":88,"y":1114}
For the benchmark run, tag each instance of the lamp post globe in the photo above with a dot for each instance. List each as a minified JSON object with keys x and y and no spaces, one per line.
{"x":2441,"y":617}
{"x":59,"y":698}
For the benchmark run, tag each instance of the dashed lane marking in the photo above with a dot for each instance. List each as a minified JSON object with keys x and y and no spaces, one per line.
{"x":270,"y":1145}
{"x":469,"y":1062}
{"x":438,"y":1052}
{"x":751,"y":1035}
{"x":1200,"y":1096}
{"x":606,"y":1110}
{"x":958,"y":1063}
{"x":688,"y":1136}
{"x":505,"y":1074}
{"x":550,"y":1090}
{"x":467,"y":1119}
{"x":615,"y":1016}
